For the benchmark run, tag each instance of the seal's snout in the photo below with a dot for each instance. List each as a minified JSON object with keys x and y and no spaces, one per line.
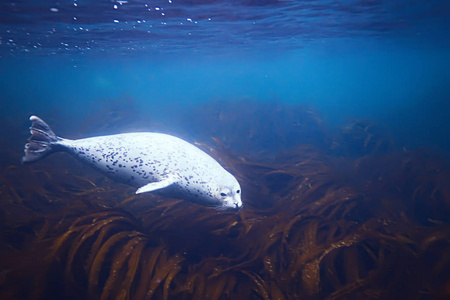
{"x":237,"y":203}
{"x":231,"y":204}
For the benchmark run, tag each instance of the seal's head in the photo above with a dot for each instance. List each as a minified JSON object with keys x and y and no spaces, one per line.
{"x":229,"y":194}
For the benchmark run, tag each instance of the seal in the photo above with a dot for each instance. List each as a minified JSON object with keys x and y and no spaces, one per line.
{"x":149,"y":161}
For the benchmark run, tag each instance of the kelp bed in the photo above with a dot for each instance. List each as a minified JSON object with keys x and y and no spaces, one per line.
{"x":350,"y":218}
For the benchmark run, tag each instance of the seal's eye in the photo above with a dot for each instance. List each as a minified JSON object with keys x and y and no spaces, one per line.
{"x":238,"y":191}
{"x":223,"y":194}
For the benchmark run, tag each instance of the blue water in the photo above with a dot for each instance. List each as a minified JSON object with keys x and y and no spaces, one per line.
{"x":323,"y":104}
{"x":384,"y":61}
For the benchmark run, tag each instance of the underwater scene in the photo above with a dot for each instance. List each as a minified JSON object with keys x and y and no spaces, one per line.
{"x":281,"y":149}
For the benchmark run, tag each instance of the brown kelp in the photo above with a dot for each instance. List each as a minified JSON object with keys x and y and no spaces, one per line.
{"x":367,"y":224}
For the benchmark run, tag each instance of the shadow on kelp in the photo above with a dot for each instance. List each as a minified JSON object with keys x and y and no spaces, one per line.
{"x":344,"y":216}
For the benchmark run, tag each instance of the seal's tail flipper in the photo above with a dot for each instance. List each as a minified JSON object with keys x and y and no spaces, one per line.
{"x":41,"y":141}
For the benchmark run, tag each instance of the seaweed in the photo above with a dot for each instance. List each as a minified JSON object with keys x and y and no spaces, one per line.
{"x":371,"y":223}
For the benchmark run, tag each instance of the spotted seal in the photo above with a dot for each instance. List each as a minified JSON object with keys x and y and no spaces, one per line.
{"x":148,"y":161}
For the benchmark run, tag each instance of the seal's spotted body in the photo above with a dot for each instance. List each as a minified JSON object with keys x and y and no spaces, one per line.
{"x":149,"y":161}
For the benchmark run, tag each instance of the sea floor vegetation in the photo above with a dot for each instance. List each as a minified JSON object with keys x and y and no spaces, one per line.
{"x":328,"y":214}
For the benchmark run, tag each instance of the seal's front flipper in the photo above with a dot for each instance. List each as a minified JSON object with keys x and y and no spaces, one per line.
{"x":153,"y":186}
